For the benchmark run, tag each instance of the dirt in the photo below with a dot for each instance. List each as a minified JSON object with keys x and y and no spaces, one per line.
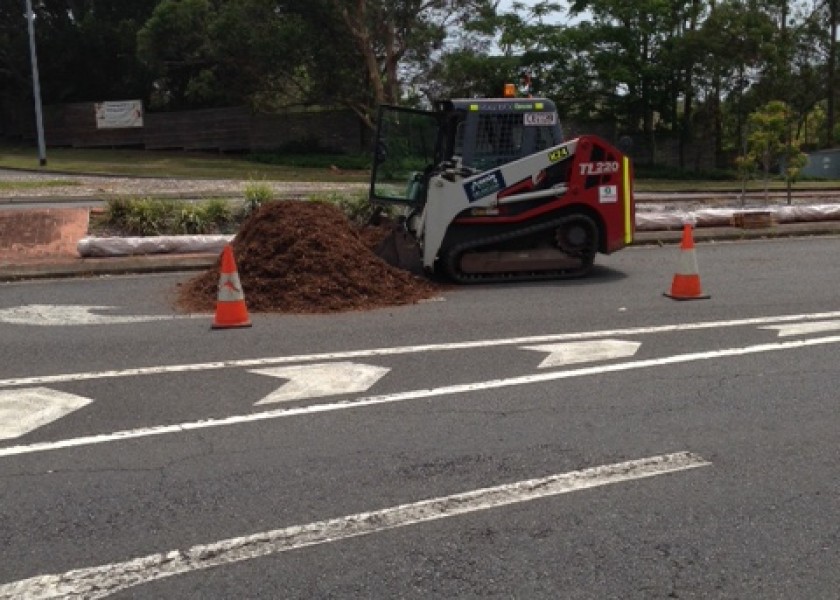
{"x":306,"y":257}
{"x":41,"y":233}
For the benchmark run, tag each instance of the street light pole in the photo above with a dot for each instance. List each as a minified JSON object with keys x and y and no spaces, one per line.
{"x":36,"y":85}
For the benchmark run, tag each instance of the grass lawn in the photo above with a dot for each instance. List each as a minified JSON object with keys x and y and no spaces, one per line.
{"x":194,"y":165}
{"x":184,"y":165}
{"x":28,"y":185}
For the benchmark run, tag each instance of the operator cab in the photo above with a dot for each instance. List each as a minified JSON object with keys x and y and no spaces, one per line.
{"x":470,"y":135}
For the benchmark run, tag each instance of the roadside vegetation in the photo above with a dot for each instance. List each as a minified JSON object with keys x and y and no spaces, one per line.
{"x":190,"y":165}
{"x":147,"y":216}
{"x":321,"y":167}
{"x":686,"y":71}
{"x":11,"y":186}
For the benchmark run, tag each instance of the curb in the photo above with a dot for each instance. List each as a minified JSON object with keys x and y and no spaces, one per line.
{"x":61,"y":267}
{"x":119,"y":265}
{"x":714,"y":234}
{"x":100,"y":198}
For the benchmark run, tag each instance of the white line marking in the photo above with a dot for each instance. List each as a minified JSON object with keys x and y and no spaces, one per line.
{"x":805,"y":328}
{"x":317,"y":381}
{"x":539,"y":339}
{"x":52,"y":315}
{"x":280,"y":413}
{"x":104,"y":580}
{"x":22,"y":411}
{"x":571,"y":353}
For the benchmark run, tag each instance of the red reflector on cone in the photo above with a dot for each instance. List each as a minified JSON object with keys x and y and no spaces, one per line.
{"x":230,"y":305}
{"x":686,"y":282}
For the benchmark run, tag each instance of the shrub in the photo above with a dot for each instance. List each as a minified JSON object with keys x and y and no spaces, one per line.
{"x":218,"y":213}
{"x":256,"y":194}
{"x":117,"y":210}
{"x":148,"y":216}
{"x":191,"y":219}
{"x":356,"y":206}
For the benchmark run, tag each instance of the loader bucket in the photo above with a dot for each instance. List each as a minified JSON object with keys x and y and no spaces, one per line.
{"x":400,"y":249}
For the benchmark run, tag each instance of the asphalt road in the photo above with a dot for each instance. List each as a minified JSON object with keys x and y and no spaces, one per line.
{"x":637,"y":447}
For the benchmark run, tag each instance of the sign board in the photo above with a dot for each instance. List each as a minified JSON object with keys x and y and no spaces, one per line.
{"x":823,"y":164}
{"x":119,"y":115}
{"x":540,"y":118}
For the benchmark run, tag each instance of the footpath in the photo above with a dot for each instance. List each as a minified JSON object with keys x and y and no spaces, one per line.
{"x":40,"y":237}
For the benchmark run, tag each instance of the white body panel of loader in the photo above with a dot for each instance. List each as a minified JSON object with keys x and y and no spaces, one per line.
{"x":447,"y":195}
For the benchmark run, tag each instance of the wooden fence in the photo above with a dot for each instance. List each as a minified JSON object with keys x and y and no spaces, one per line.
{"x":235,"y":129}
{"x":238,"y":129}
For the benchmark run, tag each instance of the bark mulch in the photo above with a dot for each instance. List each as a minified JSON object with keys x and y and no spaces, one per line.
{"x":306,"y":257}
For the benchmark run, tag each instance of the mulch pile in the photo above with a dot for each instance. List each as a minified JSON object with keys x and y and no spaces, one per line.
{"x":306,"y":257}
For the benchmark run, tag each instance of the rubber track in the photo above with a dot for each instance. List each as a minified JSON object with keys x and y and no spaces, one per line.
{"x":453,"y":257}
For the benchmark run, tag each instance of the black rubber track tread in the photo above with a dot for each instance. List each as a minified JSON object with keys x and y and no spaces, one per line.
{"x":453,"y":255}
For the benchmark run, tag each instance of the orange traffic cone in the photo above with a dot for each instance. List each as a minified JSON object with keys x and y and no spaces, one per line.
{"x":230,"y":307}
{"x":686,"y":284}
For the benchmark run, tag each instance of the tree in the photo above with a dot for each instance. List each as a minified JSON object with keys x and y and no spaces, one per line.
{"x":87,"y":49}
{"x":560,"y":58}
{"x":736,"y":40}
{"x":639,"y":49}
{"x":687,"y":50}
{"x":392,"y":36}
{"x":769,"y":143}
{"x":275,"y":53}
{"x":15,"y":85}
{"x":650,"y":65}
{"x":633,"y":63}
{"x":832,"y":7}
{"x":468,"y":73}
{"x":475,"y":66}
{"x":86,"y":52}
{"x":268,"y":54}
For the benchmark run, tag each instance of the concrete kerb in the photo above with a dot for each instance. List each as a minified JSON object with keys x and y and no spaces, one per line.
{"x":68,"y":265}
{"x":715,"y":234}
{"x":61,"y":267}
{"x":95,"y":267}
{"x":104,"y":198}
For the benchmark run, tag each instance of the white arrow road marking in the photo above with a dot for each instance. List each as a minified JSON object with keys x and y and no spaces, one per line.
{"x":450,"y":390}
{"x":805,"y":328}
{"x":104,"y":580}
{"x":316,"y":381}
{"x":399,"y":350}
{"x":51,"y":315}
{"x":22,"y":411}
{"x":571,"y":353}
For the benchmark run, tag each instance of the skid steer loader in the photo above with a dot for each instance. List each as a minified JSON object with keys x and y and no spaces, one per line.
{"x":494,"y":193}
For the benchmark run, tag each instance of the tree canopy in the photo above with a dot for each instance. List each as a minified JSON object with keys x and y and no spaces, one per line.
{"x":689,"y":68}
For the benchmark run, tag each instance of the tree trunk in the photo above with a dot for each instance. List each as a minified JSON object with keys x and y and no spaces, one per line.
{"x":715,"y":102}
{"x":686,"y":132}
{"x":831,"y":67}
{"x":766,"y":166}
